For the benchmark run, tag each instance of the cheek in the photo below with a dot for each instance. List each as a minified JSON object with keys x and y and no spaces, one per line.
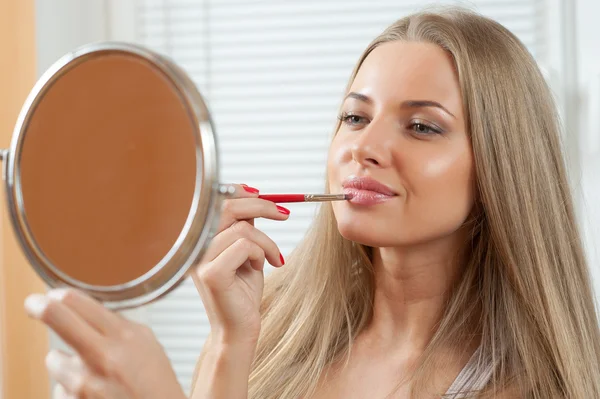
{"x":450,"y":174}
{"x":338,"y":151}
{"x":440,"y":167}
{"x":337,"y":155}
{"x":443,"y":189}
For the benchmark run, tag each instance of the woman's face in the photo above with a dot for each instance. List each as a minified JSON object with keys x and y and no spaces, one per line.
{"x":402,"y":149}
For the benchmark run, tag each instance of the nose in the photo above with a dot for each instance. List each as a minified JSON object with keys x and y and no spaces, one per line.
{"x":372,"y":147}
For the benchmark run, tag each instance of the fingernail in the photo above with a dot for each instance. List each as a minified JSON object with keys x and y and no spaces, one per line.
{"x":249,"y":189}
{"x":283,"y":210}
{"x":35,"y":304}
{"x":61,"y":393}
{"x":53,"y":360}
{"x":58,"y":294}
{"x":281,"y":259}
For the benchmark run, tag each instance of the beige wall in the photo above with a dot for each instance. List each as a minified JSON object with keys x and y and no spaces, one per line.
{"x":23,"y":342}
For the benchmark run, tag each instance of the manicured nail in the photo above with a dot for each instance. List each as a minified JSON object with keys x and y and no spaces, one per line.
{"x":249,"y":189}
{"x":58,"y":294}
{"x":53,"y":360}
{"x":35,"y":304}
{"x":281,"y":259}
{"x":61,"y":393}
{"x":283,"y":210}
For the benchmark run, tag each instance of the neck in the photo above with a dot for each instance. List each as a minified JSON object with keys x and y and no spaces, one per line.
{"x":412,"y":287}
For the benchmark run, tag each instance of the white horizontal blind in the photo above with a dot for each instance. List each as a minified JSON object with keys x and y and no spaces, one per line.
{"x":273,"y":73}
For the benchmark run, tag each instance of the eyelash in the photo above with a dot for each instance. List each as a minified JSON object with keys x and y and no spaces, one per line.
{"x":345,"y":116}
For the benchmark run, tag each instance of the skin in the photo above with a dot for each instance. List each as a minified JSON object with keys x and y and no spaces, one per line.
{"x":416,"y":237}
{"x":116,"y":358}
{"x":111,"y":353}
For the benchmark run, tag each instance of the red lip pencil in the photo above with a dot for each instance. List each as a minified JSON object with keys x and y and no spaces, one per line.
{"x":281,"y":198}
{"x":230,"y":190}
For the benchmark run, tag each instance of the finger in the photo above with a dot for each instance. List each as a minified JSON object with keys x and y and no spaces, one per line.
{"x":239,"y":230}
{"x":220,"y":273}
{"x":243,"y":191}
{"x":67,"y":371}
{"x":74,"y":331}
{"x":241,"y":251}
{"x":61,"y":393}
{"x":76,"y":382}
{"x":89,"y":309}
{"x":254,"y":253}
{"x":239,"y":191}
{"x":243,"y":256}
{"x":250,"y":208}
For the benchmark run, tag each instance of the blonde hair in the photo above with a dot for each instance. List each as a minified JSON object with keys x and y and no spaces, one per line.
{"x":526,"y":283}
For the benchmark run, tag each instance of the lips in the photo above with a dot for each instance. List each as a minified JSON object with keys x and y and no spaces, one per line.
{"x":367,"y":191}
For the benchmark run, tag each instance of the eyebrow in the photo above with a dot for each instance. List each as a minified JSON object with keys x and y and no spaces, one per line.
{"x":405,"y":104}
{"x":359,"y":97}
{"x":426,"y":103}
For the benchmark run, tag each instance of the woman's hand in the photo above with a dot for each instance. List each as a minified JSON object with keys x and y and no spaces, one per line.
{"x":115,"y":358}
{"x":230,"y":281}
{"x":230,"y":277}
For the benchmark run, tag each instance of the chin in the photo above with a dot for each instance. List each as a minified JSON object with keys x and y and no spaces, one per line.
{"x":366,"y":233}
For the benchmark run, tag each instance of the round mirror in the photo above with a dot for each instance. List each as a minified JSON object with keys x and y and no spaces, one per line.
{"x":112,"y":174}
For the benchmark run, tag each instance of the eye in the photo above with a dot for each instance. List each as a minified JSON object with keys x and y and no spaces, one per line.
{"x":352,"y":119}
{"x":424,"y":128}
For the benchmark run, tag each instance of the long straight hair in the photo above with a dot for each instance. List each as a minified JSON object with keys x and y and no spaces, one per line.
{"x":526,"y":282}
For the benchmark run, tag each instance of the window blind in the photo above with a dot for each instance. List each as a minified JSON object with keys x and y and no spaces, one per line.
{"x":273,"y":73}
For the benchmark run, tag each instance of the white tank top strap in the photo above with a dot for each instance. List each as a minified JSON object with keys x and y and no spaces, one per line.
{"x":471,"y":378}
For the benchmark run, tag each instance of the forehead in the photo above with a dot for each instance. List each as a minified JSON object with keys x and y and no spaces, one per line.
{"x":402,"y":70}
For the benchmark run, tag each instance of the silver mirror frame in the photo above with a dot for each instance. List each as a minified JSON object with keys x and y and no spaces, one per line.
{"x":202,"y":219}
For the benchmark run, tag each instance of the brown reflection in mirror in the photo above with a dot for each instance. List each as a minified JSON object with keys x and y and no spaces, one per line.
{"x":108,"y":169}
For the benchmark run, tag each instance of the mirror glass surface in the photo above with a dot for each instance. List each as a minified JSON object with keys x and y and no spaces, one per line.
{"x":107,"y":168}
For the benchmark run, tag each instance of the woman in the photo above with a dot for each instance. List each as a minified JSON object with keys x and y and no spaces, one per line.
{"x":456,"y":270}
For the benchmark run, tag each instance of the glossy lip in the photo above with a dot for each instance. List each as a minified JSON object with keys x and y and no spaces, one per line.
{"x":366,"y":190}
